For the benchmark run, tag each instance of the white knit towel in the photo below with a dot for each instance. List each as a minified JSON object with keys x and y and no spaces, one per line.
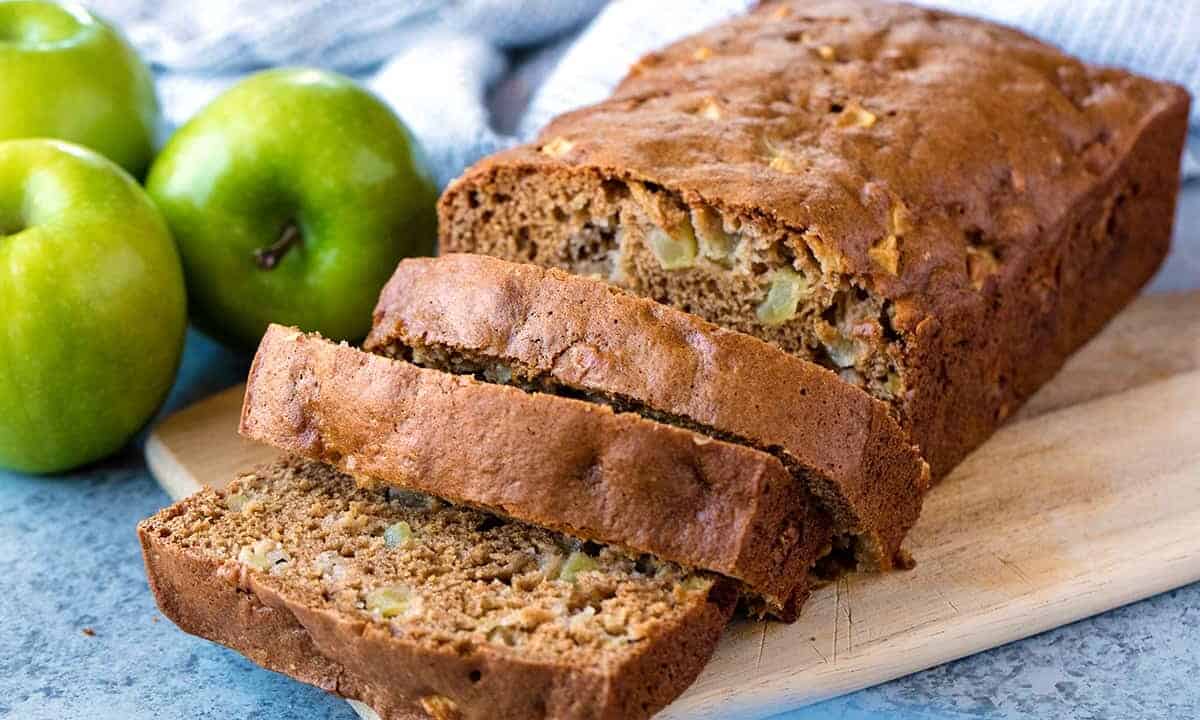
{"x":435,"y":61}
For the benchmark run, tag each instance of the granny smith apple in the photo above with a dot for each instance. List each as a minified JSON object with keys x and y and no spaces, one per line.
{"x":292,"y":197}
{"x":92,"y":306}
{"x":66,"y":74}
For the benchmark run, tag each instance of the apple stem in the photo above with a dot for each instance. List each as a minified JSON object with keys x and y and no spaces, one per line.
{"x":267,"y":258}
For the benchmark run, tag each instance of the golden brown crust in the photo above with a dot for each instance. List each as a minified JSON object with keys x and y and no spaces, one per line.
{"x":975,"y":362}
{"x":985,"y":118}
{"x":996,"y":199}
{"x":565,"y":464}
{"x":398,"y":675}
{"x":589,"y":336}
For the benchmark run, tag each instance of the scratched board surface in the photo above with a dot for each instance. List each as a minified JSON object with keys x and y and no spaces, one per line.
{"x":1088,"y":499}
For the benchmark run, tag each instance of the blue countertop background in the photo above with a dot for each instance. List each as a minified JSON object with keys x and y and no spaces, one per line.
{"x":70,"y":560}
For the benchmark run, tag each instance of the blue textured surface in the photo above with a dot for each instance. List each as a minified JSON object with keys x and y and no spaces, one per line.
{"x":70,"y":560}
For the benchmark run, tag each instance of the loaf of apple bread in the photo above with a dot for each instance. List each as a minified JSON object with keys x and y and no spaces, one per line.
{"x":937,"y":208}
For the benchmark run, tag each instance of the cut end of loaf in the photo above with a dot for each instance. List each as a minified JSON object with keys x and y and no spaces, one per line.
{"x":738,"y":270}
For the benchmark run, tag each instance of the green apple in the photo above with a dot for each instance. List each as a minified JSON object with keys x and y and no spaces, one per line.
{"x":292,"y":197}
{"x":92,"y":306}
{"x":66,"y":74}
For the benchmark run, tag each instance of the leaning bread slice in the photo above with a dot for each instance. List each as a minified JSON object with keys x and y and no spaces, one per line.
{"x":557,"y":332}
{"x":561,"y":463}
{"x":426,"y":610}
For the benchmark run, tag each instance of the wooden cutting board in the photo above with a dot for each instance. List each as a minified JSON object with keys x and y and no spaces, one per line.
{"x":1088,"y":499}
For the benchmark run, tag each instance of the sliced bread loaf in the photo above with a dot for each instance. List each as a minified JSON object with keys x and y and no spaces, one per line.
{"x":555,"y":332}
{"x":426,"y":610}
{"x":558,"y":462}
{"x":939,"y":208}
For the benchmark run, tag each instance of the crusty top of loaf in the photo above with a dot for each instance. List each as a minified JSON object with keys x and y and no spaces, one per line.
{"x":587,"y":335}
{"x":855,"y":121}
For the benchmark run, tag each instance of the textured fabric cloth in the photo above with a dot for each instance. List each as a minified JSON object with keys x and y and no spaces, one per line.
{"x":472,"y":76}
{"x":432,"y":60}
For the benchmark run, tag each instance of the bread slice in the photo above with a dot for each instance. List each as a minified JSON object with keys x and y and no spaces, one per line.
{"x":425,"y":610}
{"x":939,"y":208}
{"x":561,"y":463}
{"x":565,"y":333}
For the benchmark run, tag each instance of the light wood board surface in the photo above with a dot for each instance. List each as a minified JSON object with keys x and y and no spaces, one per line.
{"x":1087,"y":500}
